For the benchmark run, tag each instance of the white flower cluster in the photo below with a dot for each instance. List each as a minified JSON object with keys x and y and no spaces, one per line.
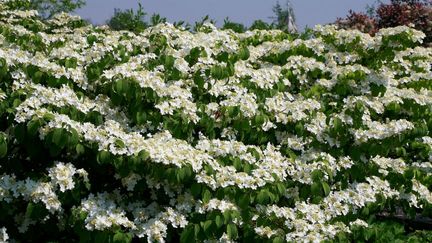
{"x":130,"y":181}
{"x":286,"y":108}
{"x":312,"y":220}
{"x":65,"y":96}
{"x":422,"y":191}
{"x":102,"y":213}
{"x":4,"y":237}
{"x":2,"y":95}
{"x":379,"y":130}
{"x":386,"y":164}
{"x":39,"y":191}
{"x":266,"y":231}
{"x":62,"y":175}
{"x":214,"y":204}
{"x":156,"y":228}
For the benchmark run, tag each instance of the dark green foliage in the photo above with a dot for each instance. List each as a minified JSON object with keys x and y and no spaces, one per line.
{"x":260,"y":25}
{"x":130,"y":20}
{"x":237,"y":27}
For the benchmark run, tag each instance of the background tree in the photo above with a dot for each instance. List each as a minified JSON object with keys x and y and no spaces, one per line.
{"x":156,"y":19}
{"x":285,"y":18}
{"x":236,"y":27}
{"x":130,"y":20}
{"x":48,"y":8}
{"x":260,"y":25}
{"x":360,"y":21}
{"x":415,"y":13}
{"x":205,"y":19}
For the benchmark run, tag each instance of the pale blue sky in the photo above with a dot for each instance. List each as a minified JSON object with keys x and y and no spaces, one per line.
{"x":308,"y":12}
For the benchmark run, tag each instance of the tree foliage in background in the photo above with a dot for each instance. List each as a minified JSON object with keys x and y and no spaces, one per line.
{"x":260,"y":25}
{"x":416,"y":13}
{"x":360,"y":21}
{"x":135,"y":20}
{"x":285,"y":17}
{"x":200,"y":23}
{"x":236,"y":27}
{"x":156,"y":19}
{"x":48,"y":8}
{"x":129,"y":19}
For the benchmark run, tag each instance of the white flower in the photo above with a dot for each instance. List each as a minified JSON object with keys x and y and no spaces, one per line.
{"x":4,"y":237}
{"x":130,"y":181}
{"x":62,"y":175}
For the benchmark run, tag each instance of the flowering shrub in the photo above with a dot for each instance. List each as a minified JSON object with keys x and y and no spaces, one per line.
{"x":168,"y":135}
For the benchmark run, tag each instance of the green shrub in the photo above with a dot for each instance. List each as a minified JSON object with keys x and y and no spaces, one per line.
{"x":168,"y":135}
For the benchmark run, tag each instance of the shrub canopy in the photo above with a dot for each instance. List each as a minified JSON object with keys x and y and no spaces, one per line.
{"x":168,"y":135}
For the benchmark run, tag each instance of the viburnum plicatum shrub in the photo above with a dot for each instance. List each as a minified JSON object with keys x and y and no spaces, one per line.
{"x":169,"y":135}
{"x":414,"y":13}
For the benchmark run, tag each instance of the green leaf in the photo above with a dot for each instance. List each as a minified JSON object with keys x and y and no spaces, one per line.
{"x":199,"y":81}
{"x":119,"y":143}
{"x":80,"y":149}
{"x":84,"y":235}
{"x":259,"y":119}
{"x":197,"y":230}
{"x":33,"y":127}
{"x":326,"y":188}
{"x":73,"y":137}
{"x":180,"y":175}
{"x":169,"y":61}
{"x":48,"y":117}
{"x":281,"y":188}
{"x":71,"y":63}
{"x":299,"y":128}
{"x":37,"y":77}
{"x":316,"y":189}
{"x":244,"y":201}
{"x":196,"y":189}
{"x":143,"y":155}
{"x":337,"y":123}
{"x":207,"y":226}
{"x":317,"y":175}
{"x":119,"y":87}
{"x":16,"y":103}
{"x":232,"y":231}
{"x":59,"y":137}
{"x":29,"y":210}
{"x":101,"y":236}
{"x":244,"y":53}
{"x":187,"y":235}
{"x":278,"y":240}
{"x":217,"y":72}
{"x":35,"y":210}
{"x":141,"y":117}
{"x":227,"y":216}
{"x":206,"y":196}
{"x":219,"y":221}
{"x":3,"y":146}
{"x":103,"y":157}
{"x":233,"y":111}
{"x":121,"y":237}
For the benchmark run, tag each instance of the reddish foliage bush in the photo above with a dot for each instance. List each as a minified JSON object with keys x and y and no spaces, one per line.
{"x":358,"y":21}
{"x":417,"y":14}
